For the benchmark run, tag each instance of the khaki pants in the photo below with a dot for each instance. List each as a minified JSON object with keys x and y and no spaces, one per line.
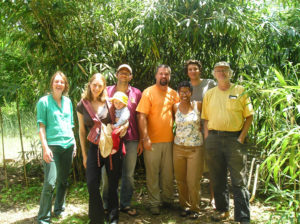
{"x":159,"y":173}
{"x":188,"y":170}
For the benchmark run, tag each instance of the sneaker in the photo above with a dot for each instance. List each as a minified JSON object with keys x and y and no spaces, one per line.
{"x":219,"y":216}
{"x":155,"y":210}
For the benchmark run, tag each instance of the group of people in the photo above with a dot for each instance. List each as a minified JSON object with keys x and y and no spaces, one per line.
{"x":211,"y":122}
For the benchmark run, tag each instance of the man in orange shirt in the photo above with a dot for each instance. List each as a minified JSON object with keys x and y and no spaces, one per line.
{"x":155,"y":121}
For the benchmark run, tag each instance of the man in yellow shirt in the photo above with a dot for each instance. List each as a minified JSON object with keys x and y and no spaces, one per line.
{"x":155,"y":121}
{"x":228,"y":115}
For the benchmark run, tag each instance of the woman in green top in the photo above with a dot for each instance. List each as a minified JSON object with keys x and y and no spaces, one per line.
{"x":55,"y":122}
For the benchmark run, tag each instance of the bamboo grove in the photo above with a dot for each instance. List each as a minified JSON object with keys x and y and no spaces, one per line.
{"x":260,"y":39}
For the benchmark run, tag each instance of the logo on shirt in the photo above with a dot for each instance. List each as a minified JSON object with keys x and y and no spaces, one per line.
{"x":132,"y":100}
{"x":232,"y":97}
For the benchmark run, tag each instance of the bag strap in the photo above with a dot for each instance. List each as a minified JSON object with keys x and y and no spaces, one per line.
{"x":111,"y":111}
{"x":89,"y":109}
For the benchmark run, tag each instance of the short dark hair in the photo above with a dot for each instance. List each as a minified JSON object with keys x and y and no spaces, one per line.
{"x":192,"y":62}
{"x":163,"y":66}
{"x":185,"y":84}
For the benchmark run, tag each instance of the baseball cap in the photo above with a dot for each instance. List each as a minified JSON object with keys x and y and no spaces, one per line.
{"x":222,"y":64}
{"x":125,"y":66}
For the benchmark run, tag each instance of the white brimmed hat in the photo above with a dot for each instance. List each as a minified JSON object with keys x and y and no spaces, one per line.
{"x":120,"y":96}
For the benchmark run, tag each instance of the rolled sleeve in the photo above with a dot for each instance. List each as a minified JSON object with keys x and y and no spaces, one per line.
{"x":248,"y":108}
{"x":72,"y":115}
{"x":204,"y":108}
{"x":41,"y":108}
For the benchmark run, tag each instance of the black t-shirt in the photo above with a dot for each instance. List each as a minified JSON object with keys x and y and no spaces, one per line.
{"x":103,"y":115}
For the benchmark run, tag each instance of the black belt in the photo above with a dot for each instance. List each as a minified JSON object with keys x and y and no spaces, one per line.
{"x":224,"y":133}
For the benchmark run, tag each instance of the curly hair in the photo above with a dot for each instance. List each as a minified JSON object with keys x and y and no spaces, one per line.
{"x":192,"y":62}
{"x":185,"y":84}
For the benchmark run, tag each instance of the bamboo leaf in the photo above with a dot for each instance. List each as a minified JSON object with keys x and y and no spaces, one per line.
{"x":280,"y":77}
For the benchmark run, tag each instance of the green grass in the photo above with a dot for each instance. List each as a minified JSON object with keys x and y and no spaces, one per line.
{"x":19,"y":195}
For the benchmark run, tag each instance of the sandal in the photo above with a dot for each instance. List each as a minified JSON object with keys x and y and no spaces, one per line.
{"x":130,"y":211}
{"x":219,"y":216}
{"x":194,"y":215}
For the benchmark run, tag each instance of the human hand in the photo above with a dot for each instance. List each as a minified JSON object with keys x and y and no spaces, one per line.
{"x":47,"y":155}
{"x":74,"y":150}
{"x":123,"y":129}
{"x":140,"y":147}
{"x":241,"y":140}
{"x":113,"y":151}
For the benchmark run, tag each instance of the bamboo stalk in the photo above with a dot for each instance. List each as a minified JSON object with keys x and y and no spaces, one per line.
{"x":21,"y":139}
{"x":250,"y":173}
{"x":255,"y":183}
{"x":4,"y":162}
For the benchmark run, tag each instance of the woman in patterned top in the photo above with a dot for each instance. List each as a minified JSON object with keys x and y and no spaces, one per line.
{"x":187,"y":151}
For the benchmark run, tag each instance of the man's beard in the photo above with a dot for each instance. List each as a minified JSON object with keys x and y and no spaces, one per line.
{"x":163,"y":82}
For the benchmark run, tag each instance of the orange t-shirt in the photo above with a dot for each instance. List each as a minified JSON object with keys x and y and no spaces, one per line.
{"x":157,"y":104}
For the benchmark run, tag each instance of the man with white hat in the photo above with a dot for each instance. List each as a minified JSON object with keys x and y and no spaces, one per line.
{"x":124,"y":76}
{"x":228,"y":115}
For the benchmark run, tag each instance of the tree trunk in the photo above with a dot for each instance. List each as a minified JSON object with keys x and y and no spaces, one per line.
{"x":21,"y":139}
{"x":4,"y":162}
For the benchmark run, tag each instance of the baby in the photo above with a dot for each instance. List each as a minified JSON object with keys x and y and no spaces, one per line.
{"x":119,"y":101}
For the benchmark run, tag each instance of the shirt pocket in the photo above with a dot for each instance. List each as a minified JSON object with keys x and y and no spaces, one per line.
{"x":234,"y":105}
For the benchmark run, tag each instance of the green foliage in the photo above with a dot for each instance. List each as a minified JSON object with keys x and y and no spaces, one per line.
{"x":20,"y":195}
{"x":10,"y":121}
{"x":276,"y":128}
{"x":79,"y":192}
{"x":261,"y":40}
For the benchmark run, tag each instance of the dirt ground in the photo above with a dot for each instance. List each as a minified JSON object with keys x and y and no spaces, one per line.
{"x":76,"y":210}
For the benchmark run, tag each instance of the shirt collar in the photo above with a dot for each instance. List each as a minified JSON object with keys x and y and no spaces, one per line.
{"x":114,"y":89}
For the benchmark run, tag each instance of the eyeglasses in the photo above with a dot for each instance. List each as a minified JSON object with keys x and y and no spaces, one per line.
{"x":124,"y":73}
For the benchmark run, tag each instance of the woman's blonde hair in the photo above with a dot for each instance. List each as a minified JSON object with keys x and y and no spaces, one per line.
{"x":66,"y":89}
{"x":87,"y":94}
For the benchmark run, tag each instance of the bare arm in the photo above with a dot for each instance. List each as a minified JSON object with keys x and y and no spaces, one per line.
{"x":143,"y":130}
{"x":205,"y":129}
{"x":140,"y":148}
{"x":174,"y":108}
{"x":82,"y":137}
{"x":199,"y":107}
{"x":122,"y":129}
{"x":245,"y":129}
{"x":47,"y":153}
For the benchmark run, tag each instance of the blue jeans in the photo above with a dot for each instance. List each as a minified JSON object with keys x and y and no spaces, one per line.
{"x":56,"y":171}
{"x":127,"y":184}
{"x":225,"y":153}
